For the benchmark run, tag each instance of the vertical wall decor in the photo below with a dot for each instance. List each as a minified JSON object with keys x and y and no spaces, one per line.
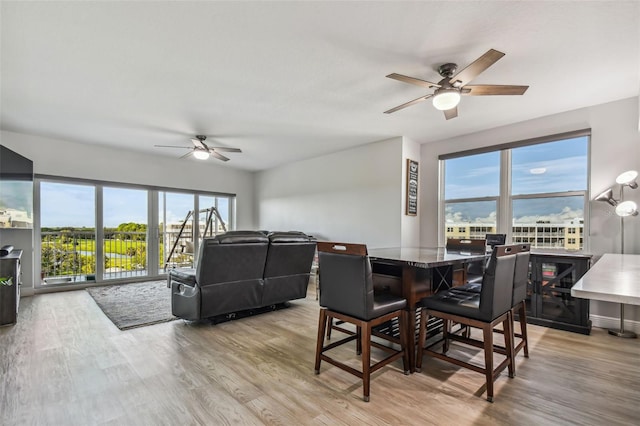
{"x":412,"y":188}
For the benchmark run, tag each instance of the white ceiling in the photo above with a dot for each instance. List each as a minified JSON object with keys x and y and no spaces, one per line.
{"x":285,"y":81}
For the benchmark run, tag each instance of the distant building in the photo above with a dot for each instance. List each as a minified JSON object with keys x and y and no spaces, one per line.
{"x":568,"y":236}
{"x":12,"y":218}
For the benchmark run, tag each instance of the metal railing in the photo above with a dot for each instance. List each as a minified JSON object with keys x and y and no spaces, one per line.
{"x":70,"y":256}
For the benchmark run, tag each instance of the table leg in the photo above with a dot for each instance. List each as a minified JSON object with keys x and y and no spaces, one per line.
{"x":411,"y":339}
{"x":622,"y":332}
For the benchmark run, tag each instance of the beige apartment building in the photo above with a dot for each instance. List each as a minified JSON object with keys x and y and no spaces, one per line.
{"x":568,"y":236}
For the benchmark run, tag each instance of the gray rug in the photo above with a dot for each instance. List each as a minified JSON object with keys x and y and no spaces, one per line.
{"x":134,"y":305}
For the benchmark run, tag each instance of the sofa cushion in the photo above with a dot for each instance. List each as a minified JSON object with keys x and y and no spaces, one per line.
{"x":242,"y":238}
{"x":289,"y":237}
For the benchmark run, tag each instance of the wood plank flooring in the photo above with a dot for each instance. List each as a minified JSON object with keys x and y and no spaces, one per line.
{"x":65,"y":363}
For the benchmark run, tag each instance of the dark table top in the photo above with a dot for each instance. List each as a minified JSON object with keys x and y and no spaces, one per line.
{"x":430,"y":257}
{"x":424,"y":257}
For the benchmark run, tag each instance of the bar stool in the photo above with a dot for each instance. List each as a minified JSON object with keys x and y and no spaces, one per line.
{"x":518,"y":305}
{"x":484,"y":310}
{"x":347,"y":295}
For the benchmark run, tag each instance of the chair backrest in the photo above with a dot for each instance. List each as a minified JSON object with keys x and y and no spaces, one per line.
{"x":497,"y":282}
{"x":521,"y":274}
{"x":231,"y":257}
{"x":346,"y":283}
{"x":466,"y":244}
{"x":496,"y":240}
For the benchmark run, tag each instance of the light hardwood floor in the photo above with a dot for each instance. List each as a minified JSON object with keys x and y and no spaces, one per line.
{"x":65,"y":363}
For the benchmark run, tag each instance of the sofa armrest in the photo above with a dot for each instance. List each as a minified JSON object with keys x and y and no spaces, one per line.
{"x":183,"y":276}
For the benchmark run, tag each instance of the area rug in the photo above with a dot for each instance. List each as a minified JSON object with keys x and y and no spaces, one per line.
{"x":134,"y":305}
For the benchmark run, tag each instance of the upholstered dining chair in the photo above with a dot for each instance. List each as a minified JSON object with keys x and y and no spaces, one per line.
{"x":474,"y":270}
{"x":518,"y":304}
{"x":347,"y":295}
{"x":484,"y":310}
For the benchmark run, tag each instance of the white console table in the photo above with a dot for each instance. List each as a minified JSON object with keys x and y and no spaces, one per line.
{"x":613,"y":278}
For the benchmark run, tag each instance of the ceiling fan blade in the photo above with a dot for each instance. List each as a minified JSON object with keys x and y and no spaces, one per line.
{"x":492,"y":89}
{"x":408,"y":104}
{"x":225,"y":149}
{"x":451,"y":113}
{"x":198,"y":143}
{"x":411,"y":80}
{"x":476,"y":67}
{"x":172,"y":146}
{"x":218,"y":156}
{"x":186,"y":155}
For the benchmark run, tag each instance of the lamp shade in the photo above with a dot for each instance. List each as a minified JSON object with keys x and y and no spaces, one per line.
{"x":627,"y":208}
{"x":628,"y":178}
{"x":445,"y":99}
{"x":607,"y":196}
{"x":201,"y":154}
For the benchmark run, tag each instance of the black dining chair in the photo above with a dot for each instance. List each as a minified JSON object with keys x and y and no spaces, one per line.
{"x":347,"y":295}
{"x":484,"y":310}
{"x":474,"y":270}
{"x":518,"y":299}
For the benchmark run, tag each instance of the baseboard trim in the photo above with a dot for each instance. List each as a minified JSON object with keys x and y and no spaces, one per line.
{"x":614,"y":323}
{"x":25,"y":292}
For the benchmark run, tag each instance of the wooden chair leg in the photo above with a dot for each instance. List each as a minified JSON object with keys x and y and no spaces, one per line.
{"x":487,"y":332}
{"x":507,"y":326}
{"x":365,"y":338}
{"x":358,"y":340}
{"x":422,"y":337}
{"x":522,"y":314}
{"x":322,"y":325}
{"x":330,"y":326}
{"x":445,"y":335}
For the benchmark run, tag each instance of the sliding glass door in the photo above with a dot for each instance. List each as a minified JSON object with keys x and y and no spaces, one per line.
{"x":125,"y":219}
{"x":176,"y":219}
{"x":96,"y":232}
{"x":67,"y":233}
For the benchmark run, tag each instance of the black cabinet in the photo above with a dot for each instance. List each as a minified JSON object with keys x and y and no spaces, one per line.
{"x":10,"y":294}
{"x":549,"y":301}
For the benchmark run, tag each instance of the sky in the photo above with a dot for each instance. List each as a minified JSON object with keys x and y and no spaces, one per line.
{"x":74,"y":205}
{"x":550,"y":167}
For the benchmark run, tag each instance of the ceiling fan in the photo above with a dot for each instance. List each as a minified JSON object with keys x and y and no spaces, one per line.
{"x":448,"y":90}
{"x":201,"y":150}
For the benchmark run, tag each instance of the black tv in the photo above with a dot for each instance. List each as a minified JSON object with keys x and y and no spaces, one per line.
{"x":496,"y":240}
{"x":16,"y":190}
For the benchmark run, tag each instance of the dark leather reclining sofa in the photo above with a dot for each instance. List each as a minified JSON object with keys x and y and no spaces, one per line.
{"x":242,"y":270}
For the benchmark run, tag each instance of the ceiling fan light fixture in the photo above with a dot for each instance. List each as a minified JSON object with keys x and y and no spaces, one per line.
{"x":200,"y":154}
{"x":446,"y":99}
{"x":627,"y":208}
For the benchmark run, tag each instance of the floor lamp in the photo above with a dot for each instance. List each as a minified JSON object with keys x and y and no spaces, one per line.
{"x":623,"y":209}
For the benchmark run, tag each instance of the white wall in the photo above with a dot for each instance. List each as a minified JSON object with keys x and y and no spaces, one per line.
{"x":615,"y":147}
{"x":68,"y":159}
{"x":349,"y":196}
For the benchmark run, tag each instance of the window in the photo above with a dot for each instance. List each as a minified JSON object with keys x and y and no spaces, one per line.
{"x":96,"y":231}
{"x":124,"y":221}
{"x":471,"y":190}
{"x":534,"y":191}
{"x":67,"y":233}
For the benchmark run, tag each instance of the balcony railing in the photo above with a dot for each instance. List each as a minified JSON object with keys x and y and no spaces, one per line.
{"x":68,"y":257}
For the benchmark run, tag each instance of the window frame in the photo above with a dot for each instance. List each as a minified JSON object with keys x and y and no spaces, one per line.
{"x":504,"y":203}
{"x":155,"y":270}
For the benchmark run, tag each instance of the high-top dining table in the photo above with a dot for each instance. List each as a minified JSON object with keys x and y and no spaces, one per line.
{"x":421,"y":272}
